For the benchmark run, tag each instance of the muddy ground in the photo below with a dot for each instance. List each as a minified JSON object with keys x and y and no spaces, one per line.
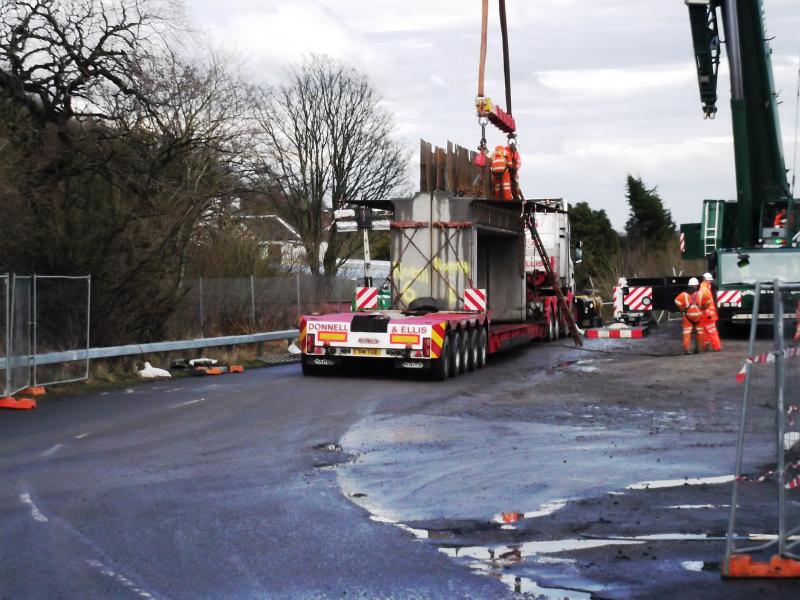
{"x":573,"y":443}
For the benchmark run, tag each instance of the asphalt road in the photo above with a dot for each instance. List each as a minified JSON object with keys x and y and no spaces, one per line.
{"x":271,"y":485}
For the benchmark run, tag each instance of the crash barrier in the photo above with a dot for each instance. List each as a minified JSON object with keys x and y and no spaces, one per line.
{"x":213,"y":307}
{"x":766,"y":389}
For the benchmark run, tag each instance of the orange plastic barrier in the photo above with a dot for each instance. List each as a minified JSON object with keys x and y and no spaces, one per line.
{"x":17,"y":403}
{"x":742,"y":565}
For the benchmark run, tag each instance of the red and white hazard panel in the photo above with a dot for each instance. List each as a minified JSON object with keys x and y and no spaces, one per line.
{"x":729,"y":298}
{"x":683,"y":243}
{"x":637,"y":299}
{"x":366,"y":298}
{"x":475,"y":299}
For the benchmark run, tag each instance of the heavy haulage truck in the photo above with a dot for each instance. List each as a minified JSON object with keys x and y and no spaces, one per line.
{"x":466,"y":280}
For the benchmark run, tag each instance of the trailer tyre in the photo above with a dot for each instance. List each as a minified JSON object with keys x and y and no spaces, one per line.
{"x":551,"y":328}
{"x":456,"y":353}
{"x":472,"y":349}
{"x":557,"y":325}
{"x":482,"y":350}
{"x":440,"y":368}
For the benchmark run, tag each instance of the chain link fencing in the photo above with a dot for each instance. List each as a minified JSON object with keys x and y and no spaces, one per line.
{"x":52,"y":314}
{"x":231,"y":306}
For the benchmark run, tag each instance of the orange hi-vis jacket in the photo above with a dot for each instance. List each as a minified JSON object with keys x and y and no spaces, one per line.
{"x":710,"y":318}
{"x":711,"y":311}
{"x":505,"y":160}
{"x":693,"y":306}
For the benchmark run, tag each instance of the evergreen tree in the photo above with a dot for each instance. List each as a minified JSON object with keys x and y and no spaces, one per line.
{"x":649,"y":224}
{"x":600,"y":242}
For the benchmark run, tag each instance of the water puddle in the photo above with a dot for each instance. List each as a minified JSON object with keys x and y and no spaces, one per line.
{"x":669,"y":483}
{"x":527,"y":586}
{"x":698,"y":566}
{"x":697,"y":506}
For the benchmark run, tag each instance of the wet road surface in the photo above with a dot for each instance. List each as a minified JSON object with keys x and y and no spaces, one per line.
{"x":268,"y":484}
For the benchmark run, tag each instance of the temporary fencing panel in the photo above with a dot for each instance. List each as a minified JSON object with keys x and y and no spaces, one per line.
{"x":771,"y":408}
{"x":62,"y":314}
{"x":5,"y":342}
{"x":19,"y":361}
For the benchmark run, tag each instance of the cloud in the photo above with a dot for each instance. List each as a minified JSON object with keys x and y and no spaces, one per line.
{"x":601,"y":89}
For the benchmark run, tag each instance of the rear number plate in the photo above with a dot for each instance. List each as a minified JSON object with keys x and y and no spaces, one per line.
{"x":366,"y":352}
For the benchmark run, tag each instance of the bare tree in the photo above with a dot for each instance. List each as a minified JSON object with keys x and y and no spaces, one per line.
{"x":119,"y":151}
{"x":326,"y":140}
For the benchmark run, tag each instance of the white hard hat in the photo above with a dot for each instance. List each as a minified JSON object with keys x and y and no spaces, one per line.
{"x":693,"y":281}
{"x":708,"y":277}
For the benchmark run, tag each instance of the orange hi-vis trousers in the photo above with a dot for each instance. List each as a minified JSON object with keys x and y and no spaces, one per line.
{"x":709,"y":326}
{"x":700,"y":332}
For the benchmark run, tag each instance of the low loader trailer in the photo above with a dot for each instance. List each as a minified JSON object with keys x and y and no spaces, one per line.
{"x":467,"y":280}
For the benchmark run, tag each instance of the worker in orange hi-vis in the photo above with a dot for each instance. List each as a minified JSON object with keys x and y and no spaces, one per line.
{"x":710,"y":316}
{"x":505,"y":165}
{"x":780,"y":219}
{"x":693,"y":303}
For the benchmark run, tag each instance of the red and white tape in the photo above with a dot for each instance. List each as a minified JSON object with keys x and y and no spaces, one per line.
{"x":790,"y":485}
{"x":766,"y":357}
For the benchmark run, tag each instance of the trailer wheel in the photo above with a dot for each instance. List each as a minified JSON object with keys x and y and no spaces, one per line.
{"x":557,"y":324}
{"x":472,"y":349}
{"x":482,"y":352}
{"x":440,"y":367}
{"x":455,"y":354}
{"x":464,"y":351}
{"x":550,"y":328}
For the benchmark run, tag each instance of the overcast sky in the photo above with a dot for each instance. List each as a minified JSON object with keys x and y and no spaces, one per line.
{"x":602,"y":88}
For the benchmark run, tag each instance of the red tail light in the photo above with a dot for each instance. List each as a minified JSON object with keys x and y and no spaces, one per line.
{"x":426,"y":347}
{"x":310,"y":343}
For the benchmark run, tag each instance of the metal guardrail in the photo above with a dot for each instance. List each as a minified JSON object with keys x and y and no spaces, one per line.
{"x":52,"y":358}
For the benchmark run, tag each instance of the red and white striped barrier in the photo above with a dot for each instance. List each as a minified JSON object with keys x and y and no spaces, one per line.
{"x":683,"y":242}
{"x":729,"y":298}
{"x":614,"y":334}
{"x":766,"y":357}
{"x":637,"y":299}
{"x":475,"y":299}
{"x":366,"y":298}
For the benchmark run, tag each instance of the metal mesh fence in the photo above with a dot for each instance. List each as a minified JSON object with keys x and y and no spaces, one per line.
{"x":766,"y":500}
{"x":61,"y":323}
{"x":18,"y":375}
{"x":215,"y":307}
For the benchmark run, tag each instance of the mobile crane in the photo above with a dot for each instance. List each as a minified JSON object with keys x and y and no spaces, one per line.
{"x":756,"y":235}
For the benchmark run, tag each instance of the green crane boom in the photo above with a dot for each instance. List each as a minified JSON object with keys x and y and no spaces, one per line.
{"x":755,"y":236}
{"x":760,"y":168}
